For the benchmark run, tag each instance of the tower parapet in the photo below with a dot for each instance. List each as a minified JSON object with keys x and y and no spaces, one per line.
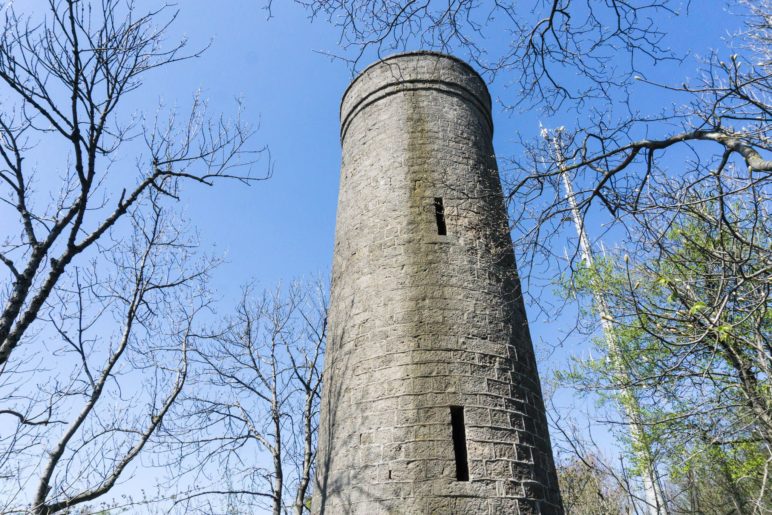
{"x":431,"y":399}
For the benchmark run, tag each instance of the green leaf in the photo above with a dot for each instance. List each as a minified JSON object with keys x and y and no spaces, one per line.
{"x":723,"y":331}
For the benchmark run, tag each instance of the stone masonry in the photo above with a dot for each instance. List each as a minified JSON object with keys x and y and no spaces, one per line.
{"x":431,"y":399}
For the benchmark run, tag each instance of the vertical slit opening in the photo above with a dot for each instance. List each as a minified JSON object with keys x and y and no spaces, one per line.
{"x":439,"y":212}
{"x":459,"y":442}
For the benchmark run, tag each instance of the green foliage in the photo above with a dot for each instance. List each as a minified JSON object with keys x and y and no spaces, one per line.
{"x":690,"y":327}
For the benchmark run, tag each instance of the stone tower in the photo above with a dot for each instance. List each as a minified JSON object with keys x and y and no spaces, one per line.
{"x":431,"y":399}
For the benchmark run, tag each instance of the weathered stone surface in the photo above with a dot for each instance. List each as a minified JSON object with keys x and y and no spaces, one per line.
{"x":421,"y":321}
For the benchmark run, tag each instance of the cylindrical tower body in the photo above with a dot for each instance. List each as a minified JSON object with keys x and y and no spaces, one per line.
{"x":431,"y":399}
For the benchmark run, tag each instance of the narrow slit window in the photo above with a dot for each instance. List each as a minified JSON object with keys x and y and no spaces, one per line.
{"x":459,"y":442}
{"x":439,"y":212}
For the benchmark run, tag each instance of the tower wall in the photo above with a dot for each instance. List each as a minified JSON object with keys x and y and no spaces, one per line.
{"x":421,"y":322}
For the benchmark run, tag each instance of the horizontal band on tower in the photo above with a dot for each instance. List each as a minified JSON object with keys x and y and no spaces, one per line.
{"x":415,"y":85}
{"x":415,"y":71}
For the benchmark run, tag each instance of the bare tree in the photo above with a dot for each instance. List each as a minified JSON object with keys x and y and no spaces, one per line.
{"x":254,"y":412}
{"x":101,"y":288}
{"x":719,"y":130}
{"x":587,"y":490}
{"x":556,"y":51}
{"x":117,"y":341}
{"x":67,"y":75}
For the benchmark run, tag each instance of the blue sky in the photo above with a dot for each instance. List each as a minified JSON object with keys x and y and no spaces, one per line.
{"x":283,"y":228}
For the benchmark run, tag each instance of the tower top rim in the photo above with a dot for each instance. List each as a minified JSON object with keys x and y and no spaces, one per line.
{"x":413,"y":53}
{"x":453,"y":74}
